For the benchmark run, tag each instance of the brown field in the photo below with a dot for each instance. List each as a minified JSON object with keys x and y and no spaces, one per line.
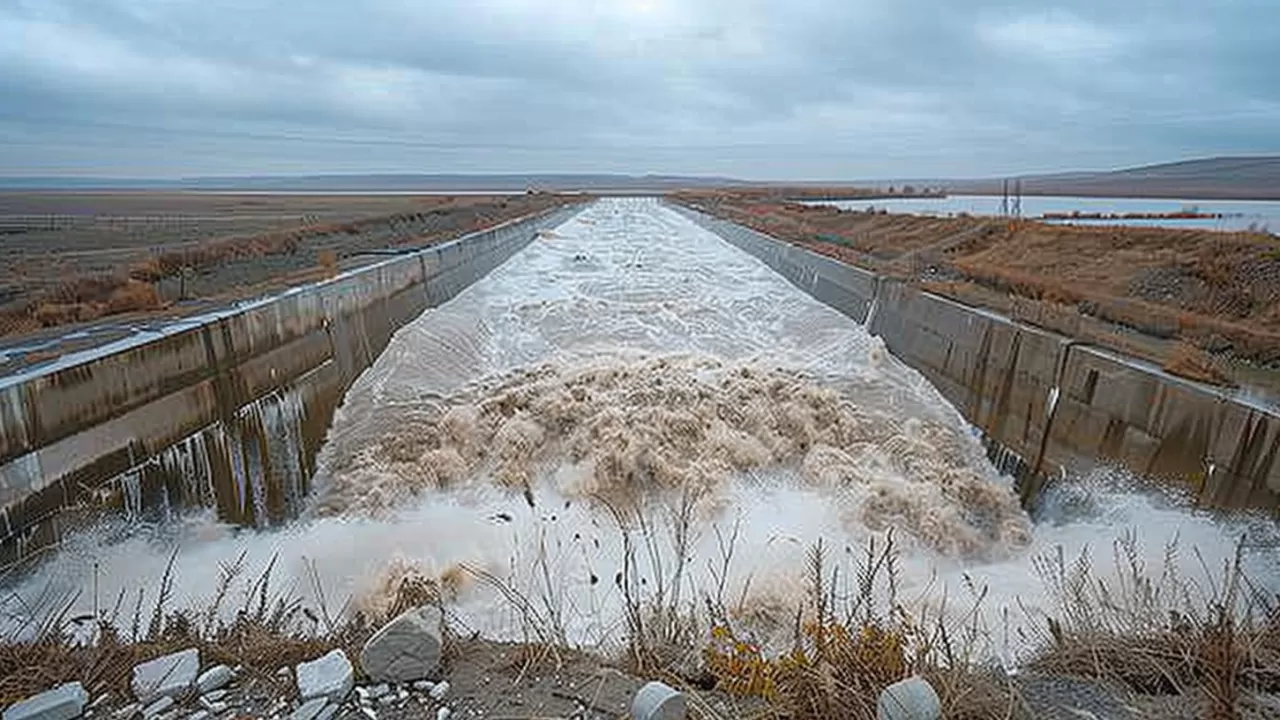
{"x":77,"y":257}
{"x":1186,"y":299}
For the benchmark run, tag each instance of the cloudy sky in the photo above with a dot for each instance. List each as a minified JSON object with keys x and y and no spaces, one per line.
{"x":820,"y":89}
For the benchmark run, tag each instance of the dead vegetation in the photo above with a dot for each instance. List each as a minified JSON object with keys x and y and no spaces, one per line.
{"x":1157,"y":632}
{"x":1150,"y":631}
{"x":261,"y":630}
{"x":1214,"y":292}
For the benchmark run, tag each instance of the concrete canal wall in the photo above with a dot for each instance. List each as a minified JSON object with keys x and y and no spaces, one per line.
{"x":1044,"y":402}
{"x":226,"y":410}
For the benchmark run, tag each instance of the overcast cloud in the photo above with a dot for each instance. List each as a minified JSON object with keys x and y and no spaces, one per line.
{"x":753,"y":88}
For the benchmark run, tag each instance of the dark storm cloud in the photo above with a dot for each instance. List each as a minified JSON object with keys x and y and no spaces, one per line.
{"x":755,"y":88}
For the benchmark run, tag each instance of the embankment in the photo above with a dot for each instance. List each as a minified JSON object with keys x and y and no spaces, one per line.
{"x":1044,"y":402}
{"x":224,"y":410}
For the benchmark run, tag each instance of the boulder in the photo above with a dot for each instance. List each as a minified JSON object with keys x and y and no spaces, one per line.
{"x":166,"y":676}
{"x":61,"y":703}
{"x":215,"y":678}
{"x":405,"y":649}
{"x":161,"y":706}
{"x":440,"y":690}
{"x":656,"y":701}
{"x":910,"y":699}
{"x":330,"y":676}
{"x":309,"y":709}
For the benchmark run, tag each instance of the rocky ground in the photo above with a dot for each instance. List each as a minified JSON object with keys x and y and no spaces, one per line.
{"x":480,"y":679}
{"x":477,"y":678}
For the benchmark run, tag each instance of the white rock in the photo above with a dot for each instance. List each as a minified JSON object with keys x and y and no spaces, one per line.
{"x":378,"y":691}
{"x":61,"y":703}
{"x":443,"y":713}
{"x":440,"y":690}
{"x":158,"y":707}
{"x":329,"y":676}
{"x":309,"y":709}
{"x":656,"y":701}
{"x":98,"y":702}
{"x":214,"y":706}
{"x":423,"y":685}
{"x":214,"y":695}
{"x":199,"y":715}
{"x":407,"y":648}
{"x":168,"y":675}
{"x":910,"y":699}
{"x":328,"y":712}
{"x":369,"y":713}
{"x":216,"y":677}
{"x":127,"y":711}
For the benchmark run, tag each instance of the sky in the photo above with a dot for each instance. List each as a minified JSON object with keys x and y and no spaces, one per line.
{"x":756,"y":89}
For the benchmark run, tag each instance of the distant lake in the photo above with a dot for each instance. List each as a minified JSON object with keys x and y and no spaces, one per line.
{"x":1237,"y":214}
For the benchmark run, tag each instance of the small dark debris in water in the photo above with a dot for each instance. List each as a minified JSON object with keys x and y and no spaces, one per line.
{"x":566,"y":504}
{"x":528,"y":495}
{"x":617,"y":579}
{"x":577,"y":537}
{"x":594,"y":579}
{"x":597,"y":542}
{"x":504,"y":517}
{"x":644,"y":581}
{"x":553,"y":518}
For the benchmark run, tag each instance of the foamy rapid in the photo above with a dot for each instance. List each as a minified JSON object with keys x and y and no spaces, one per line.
{"x":631,"y":382}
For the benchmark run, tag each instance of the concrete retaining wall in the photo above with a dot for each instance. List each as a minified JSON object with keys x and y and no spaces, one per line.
{"x":225,"y":410}
{"x":1044,"y":402}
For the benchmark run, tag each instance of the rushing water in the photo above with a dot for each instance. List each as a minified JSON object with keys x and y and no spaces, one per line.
{"x":1261,"y":215}
{"x":632,"y":365}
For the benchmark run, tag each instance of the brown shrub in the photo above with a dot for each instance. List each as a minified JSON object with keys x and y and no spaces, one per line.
{"x":49,"y":314}
{"x":148,"y":270}
{"x":17,"y":322}
{"x":1189,"y":361}
{"x":134,"y":295}
{"x":328,"y":260}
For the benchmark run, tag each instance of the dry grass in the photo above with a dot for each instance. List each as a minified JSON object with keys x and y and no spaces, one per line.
{"x":265,"y":631}
{"x":1157,"y":632}
{"x":1151,"y":630}
{"x":81,"y":300}
{"x":846,"y":648}
{"x":1187,"y":360}
{"x":328,"y":260}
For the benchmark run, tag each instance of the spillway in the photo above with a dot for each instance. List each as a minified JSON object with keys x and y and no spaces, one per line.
{"x":629,"y":394}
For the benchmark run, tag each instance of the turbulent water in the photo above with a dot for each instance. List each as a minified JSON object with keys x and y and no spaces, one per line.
{"x":631,"y":386}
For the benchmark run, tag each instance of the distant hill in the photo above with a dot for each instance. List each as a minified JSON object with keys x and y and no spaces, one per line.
{"x":1241,"y":178}
{"x":1209,"y":178}
{"x":382,"y":182}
